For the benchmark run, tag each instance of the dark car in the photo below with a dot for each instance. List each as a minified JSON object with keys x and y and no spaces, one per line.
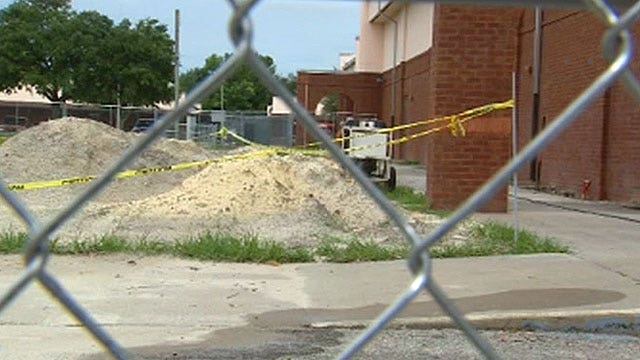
{"x":142,"y":125}
{"x":10,"y":124}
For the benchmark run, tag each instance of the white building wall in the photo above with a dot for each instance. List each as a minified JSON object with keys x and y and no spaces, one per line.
{"x":370,"y":42}
{"x":376,"y":45}
{"x":419,"y":30}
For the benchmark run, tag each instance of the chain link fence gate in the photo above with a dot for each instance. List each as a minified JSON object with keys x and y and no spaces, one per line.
{"x":618,"y":50}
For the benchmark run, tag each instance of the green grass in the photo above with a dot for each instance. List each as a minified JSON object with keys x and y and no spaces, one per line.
{"x":496,"y":239}
{"x":12,"y":243}
{"x":3,"y":139}
{"x":246,"y":249}
{"x":210,"y":247}
{"x":345,"y":251}
{"x":409,"y":199}
{"x":486,"y":240}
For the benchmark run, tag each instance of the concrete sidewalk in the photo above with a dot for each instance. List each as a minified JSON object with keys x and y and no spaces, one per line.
{"x":602,"y":233}
{"x":158,"y":303}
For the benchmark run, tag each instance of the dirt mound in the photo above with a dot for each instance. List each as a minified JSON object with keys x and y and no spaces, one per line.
{"x":266,"y":186}
{"x":295,"y":199}
{"x":70,"y":147}
{"x":74,"y":147}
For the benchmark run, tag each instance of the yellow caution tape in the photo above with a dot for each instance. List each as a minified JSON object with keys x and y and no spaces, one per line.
{"x":224,"y":133}
{"x":51,"y":183}
{"x":455,"y":126}
{"x":453,"y":120}
{"x":140,"y":172}
{"x":455,"y":123}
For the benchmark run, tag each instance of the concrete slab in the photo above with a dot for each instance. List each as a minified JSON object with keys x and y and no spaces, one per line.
{"x":164,"y":302}
{"x":603,"y":233}
{"x":413,"y":176}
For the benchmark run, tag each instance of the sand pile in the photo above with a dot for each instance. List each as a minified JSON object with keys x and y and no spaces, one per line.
{"x":265,"y":186}
{"x":288,"y":198}
{"x":74,"y":147}
{"x":71,"y":147}
{"x":294,"y":199}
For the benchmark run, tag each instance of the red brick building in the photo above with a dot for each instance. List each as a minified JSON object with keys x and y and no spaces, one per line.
{"x":458,"y":58}
{"x":602,"y":146}
{"x":452,"y":58}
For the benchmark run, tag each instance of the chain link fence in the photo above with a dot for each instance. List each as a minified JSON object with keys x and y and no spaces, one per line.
{"x":618,"y":50}
{"x":200,"y":125}
{"x":205,"y":127}
{"x":18,"y":116}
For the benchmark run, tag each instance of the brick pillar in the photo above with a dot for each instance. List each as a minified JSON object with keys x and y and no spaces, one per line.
{"x":458,"y":166}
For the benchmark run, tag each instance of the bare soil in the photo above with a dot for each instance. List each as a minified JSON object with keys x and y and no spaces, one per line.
{"x":294,"y":199}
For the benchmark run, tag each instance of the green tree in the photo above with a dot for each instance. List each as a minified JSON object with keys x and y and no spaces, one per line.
{"x":134,"y":63}
{"x":83,"y":56}
{"x":331,"y":104}
{"x":243,"y":91}
{"x":33,"y":43}
{"x":87,"y":34}
{"x":290,"y":81}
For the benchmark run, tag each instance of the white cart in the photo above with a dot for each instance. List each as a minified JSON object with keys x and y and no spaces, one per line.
{"x":368,"y":149}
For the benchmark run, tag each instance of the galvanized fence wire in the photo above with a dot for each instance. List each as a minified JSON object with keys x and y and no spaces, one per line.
{"x":618,"y":51}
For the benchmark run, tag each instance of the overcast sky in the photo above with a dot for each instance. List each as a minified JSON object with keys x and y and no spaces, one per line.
{"x":298,"y":34}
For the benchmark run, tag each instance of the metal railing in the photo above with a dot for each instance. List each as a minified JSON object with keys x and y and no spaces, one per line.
{"x":618,"y":50}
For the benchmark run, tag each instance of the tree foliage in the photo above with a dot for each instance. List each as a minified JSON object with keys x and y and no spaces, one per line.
{"x":291,"y":82}
{"x":331,"y":104}
{"x":243,"y":91}
{"x":83,"y":56}
{"x":135,"y":63}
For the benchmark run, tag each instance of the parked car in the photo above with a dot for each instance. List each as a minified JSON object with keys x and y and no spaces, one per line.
{"x":142,"y":125}
{"x":10,"y":124}
{"x":6,"y":128}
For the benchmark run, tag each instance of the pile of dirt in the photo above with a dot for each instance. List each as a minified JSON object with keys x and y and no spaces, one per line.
{"x":289,"y":198}
{"x":74,"y":147}
{"x":294,"y":199}
{"x":266,"y":186}
{"x":71,"y":147}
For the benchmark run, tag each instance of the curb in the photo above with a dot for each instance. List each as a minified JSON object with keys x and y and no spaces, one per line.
{"x":620,"y":322}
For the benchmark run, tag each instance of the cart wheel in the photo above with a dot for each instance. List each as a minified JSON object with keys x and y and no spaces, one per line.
{"x":391,"y":183}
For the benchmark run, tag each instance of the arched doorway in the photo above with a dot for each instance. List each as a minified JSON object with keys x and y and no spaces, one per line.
{"x":355,"y":92}
{"x":332,"y":110}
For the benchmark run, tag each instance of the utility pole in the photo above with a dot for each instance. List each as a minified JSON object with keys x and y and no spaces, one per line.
{"x":176,"y":75}
{"x":118,"y":110}
{"x":222,"y":97}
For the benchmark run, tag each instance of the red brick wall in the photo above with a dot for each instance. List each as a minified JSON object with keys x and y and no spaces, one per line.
{"x":469,"y":65}
{"x":473,"y":56}
{"x":414,"y":102}
{"x":622,"y":159}
{"x":458,"y":166}
{"x":601,"y":146}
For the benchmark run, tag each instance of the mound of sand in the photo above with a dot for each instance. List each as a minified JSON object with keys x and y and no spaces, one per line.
{"x":294,"y":199}
{"x":265,"y":186}
{"x":74,"y":147}
{"x":70,"y":147}
{"x":287,"y":198}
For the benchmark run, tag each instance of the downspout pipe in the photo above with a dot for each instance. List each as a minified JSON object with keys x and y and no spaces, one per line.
{"x":535,"y":113}
{"x":393,"y":69}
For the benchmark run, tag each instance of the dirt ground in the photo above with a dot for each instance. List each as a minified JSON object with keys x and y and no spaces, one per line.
{"x":294,"y":199}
